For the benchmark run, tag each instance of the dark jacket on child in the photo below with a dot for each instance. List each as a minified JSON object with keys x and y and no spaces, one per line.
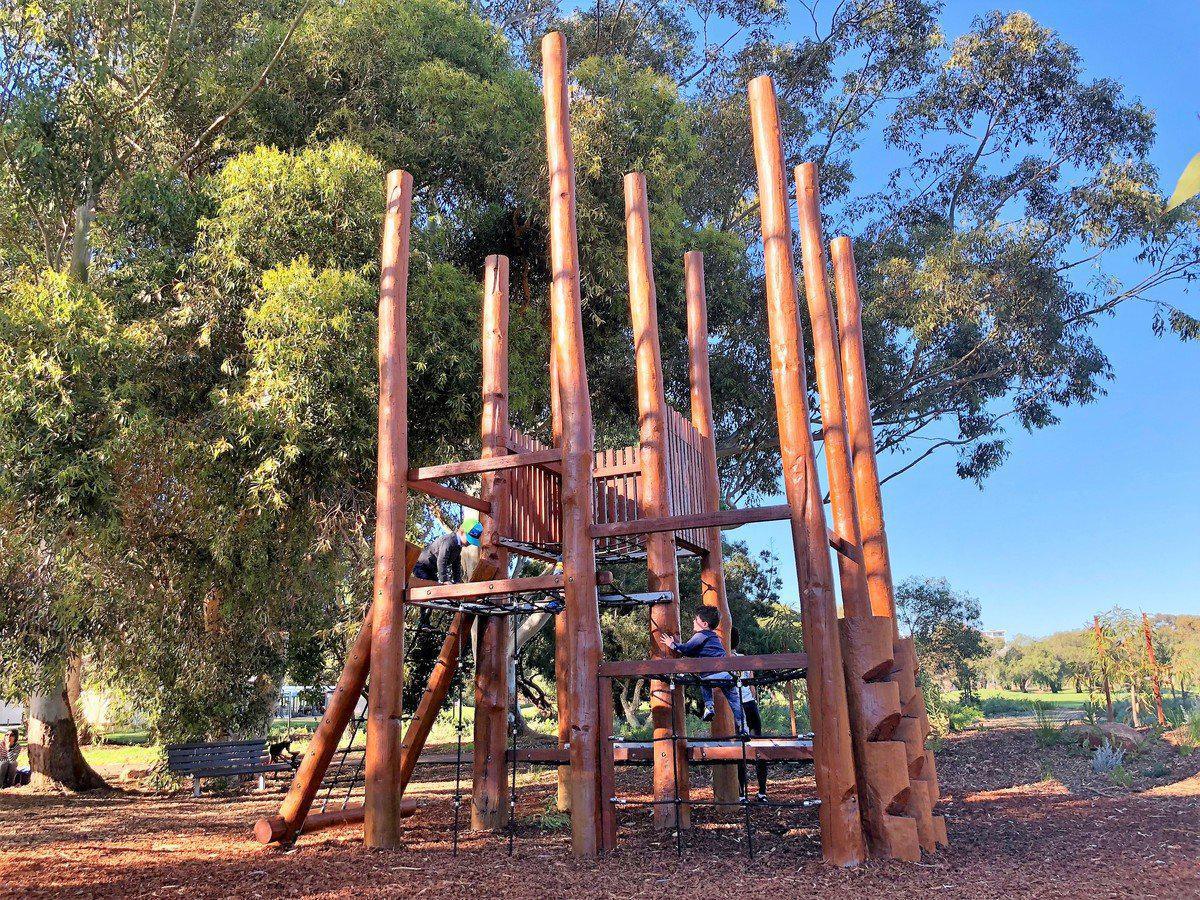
{"x":703,"y":644}
{"x":441,"y":560}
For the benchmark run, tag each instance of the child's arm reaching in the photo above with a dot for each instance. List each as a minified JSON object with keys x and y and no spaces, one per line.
{"x":691,"y":647}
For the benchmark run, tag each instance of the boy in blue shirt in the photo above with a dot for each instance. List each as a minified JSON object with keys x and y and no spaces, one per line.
{"x":706,"y":643}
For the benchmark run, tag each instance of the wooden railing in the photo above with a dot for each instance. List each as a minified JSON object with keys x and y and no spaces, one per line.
{"x":685,"y":476}
{"x":536,"y":513}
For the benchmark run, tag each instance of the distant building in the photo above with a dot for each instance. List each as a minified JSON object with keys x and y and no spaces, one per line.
{"x":996,"y":635}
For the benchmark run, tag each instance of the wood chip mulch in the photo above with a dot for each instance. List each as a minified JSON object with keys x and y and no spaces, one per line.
{"x":1024,"y":821}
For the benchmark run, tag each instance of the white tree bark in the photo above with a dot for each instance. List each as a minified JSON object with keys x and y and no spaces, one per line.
{"x":54,"y":757}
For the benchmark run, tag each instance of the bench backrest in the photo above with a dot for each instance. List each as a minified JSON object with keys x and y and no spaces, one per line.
{"x":217,"y":755}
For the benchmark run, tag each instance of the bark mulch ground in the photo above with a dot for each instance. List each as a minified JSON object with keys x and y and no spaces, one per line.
{"x":1018,"y":828}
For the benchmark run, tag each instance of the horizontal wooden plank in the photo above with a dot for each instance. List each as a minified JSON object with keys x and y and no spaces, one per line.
{"x":725,"y":518}
{"x":759,"y":750}
{"x":613,"y":471}
{"x":449,"y":494}
{"x":467,"y":590}
{"x":478,"y":466}
{"x":637,"y":752}
{"x":767,"y":662}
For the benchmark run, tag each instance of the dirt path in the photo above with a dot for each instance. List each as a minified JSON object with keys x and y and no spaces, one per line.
{"x":1012,"y":834}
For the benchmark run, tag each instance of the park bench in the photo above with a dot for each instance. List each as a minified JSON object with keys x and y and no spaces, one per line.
{"x":221,"y":759}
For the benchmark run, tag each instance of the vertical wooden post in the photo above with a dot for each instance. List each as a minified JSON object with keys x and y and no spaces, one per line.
{"x":382,"y":774}
{"x":855,"y":600}
{"x":913,"y":728}
{"x":1154,"y":679}
{"x":562,"y":628}
{"x":841,"y":830}
{"x":877,"y":566}
{"x":489,"y":796}
{"x":712,"y":568}
{"x":1100,"y":655}
{"x":867,"y":640}
{"x":608,"y":773}
{"x":579,"y":554}
{"x":666,"y":707}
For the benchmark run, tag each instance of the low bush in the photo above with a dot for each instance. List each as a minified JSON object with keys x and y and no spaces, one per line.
{"x":994,"y":707}
{"x":1107,"y":758}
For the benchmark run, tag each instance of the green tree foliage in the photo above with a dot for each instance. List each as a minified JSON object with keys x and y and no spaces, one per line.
{"x":198,"y":418}
{"x":944,"y":624}
{"x":187,"y":414}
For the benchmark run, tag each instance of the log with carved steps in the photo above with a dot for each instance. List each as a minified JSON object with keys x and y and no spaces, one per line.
{"x":874,"y":700}
{"x":913,"y":727}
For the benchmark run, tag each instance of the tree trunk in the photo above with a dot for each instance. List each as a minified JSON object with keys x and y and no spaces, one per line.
{"x":526,"y":631}
{"x":54,"y":757}
{"x":74,"y":691}
{"x":1133,"y":705}
{"x":631,"y":699}
{"x":81,"y":251}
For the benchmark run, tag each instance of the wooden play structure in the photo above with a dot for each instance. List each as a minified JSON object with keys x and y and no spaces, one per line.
{"x":581,"y":509}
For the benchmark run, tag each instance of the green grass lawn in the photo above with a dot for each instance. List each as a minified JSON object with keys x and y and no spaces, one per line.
{"x":138,"y":756}
{"x":1062,"y":698}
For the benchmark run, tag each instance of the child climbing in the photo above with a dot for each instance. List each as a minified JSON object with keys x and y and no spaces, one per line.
{"x":441,"y":560}
{"x":706,"y":643}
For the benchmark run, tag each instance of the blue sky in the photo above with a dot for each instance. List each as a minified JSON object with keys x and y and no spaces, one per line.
{"x":1104,"y":508}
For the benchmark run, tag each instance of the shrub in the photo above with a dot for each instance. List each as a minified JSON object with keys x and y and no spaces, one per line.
{"x":1048,"y":731}
{"x":1191,"y":721}
{"x":1107,"y":758}
{"x":1122,"y":776}
{"x":962,"y":716}
{"x":1004,"y":706}
{"x":551,"y":819}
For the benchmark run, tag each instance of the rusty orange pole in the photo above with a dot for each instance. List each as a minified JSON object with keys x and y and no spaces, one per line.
{"x":1154,"y":679}
{"x":877,"y":566}
{"x":855,"y":600}
{"x":293,"y":812}
{"x":489,"y":796}
{"x":382,"y":773}
{"x":867,"y":644}
{"x":913,"y":728}
{"x":1100,"y":655}
{"x":578,"y":550}
{"x":841,"y":829}
{"x":562,"y":629}
{"x":712,"y":569}
{"x":666,"y":706}
{"x":438,"y":688}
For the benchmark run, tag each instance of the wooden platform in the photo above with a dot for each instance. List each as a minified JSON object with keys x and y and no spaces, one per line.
{"x":632,"y":753}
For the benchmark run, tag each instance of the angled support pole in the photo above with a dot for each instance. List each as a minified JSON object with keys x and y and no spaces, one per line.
{"x":293,"y":812}
{"x":578,"y":551}
{"x":489,"y":798}
{"x":712,"y":566}
{"x":841,"y":828}
{"x":666,"y":703}
{"x":867,"y":645}
{"x":913,"y":726}
{"x":382,"y":776}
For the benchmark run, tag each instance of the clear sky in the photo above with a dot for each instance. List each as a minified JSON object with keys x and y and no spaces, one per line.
{"x":1103,"y":508}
